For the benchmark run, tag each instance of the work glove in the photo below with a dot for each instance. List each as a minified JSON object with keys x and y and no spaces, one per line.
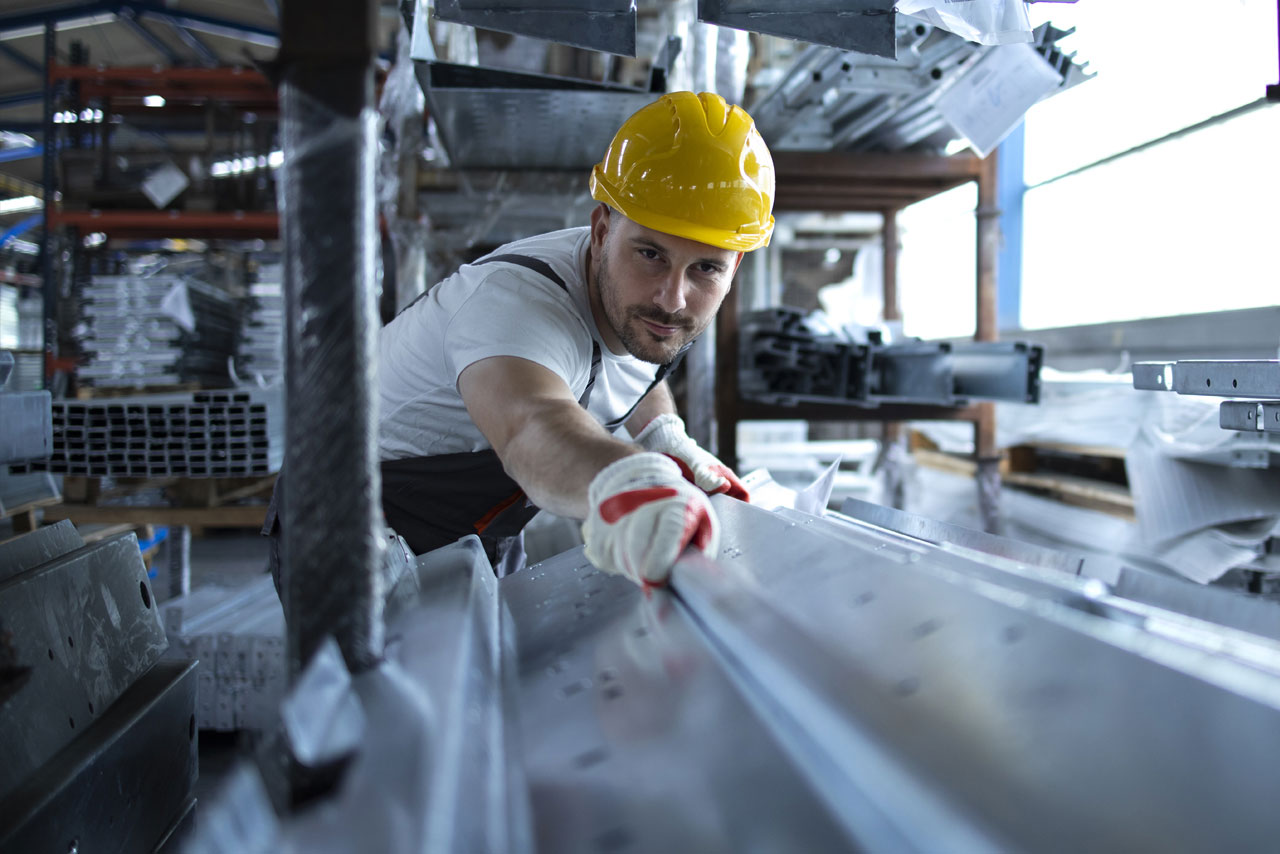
{"x":643,"y":516}
{"x":665,"y":435}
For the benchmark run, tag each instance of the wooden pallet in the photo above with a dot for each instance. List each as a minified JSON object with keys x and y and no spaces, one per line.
{"x":198,"y":503}
{"x":1093,"y":493}
{"x":106,"y":392}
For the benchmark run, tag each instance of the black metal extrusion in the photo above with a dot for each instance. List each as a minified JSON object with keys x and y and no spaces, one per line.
{"x":330,"y":508}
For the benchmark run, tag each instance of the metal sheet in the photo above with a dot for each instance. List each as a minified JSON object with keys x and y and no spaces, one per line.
{"x":87,"y":626}
{"x":40,"y":546}
{"x":866,"y":26}
{"x":559,"y":127}
{"x":923,"y":681}
{"x":606,"y":26}
{"x":26,"y":426}
{"x":933,"y":531}
{"x":634,"y":738}
{"x":123,"y":784}
{"x":6,"y":366}
{"x":998,"y":370}
{"x":450,"y":645}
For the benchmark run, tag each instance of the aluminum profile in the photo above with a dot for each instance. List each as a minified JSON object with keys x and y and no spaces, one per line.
{"x":837,"y":100}
{"x":124,"y":784}
{"x":234,"y":433}
{"x":26,"y":426}
{"x":784,"y":360}
{"x":237,"y":637}
{"x":86,"y":625}
{"x":42,"y":545}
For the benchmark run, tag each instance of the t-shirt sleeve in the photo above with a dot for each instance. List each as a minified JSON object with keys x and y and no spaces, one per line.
{"x":508,"y":316}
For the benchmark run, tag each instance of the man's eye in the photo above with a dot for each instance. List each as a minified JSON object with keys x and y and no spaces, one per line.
{"x":649,"y":253}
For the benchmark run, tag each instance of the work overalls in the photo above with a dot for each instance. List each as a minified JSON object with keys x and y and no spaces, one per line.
{"x":433,"y":501}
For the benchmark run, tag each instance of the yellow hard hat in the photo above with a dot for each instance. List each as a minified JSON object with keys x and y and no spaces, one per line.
{"x":692,"y":166}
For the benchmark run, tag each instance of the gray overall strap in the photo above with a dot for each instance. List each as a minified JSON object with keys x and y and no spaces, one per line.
{"x":543,"y":269}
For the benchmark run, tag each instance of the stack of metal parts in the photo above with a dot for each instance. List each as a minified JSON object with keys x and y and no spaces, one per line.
{"x":26,"y":436}
{"x":261,"y":350}
{"x":143,"y":330}
{"x":99,"y":746}
{"x":237,"y":636}
{"x":26,"y":426}
{"x":827,"y":684}
{"x":200,"y":434}
{"x":837,"y":100}
{"x":785,"y":360}
{"x":1258,"y":379}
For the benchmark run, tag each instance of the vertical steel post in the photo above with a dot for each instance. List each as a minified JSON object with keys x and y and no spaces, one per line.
{"x":331,"y":514}
{"x":48,"y":286}
{"x":984,"y":429}
{"x":892,"y":452}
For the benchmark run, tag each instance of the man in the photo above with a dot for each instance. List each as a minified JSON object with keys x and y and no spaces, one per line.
{"x":502,"y":387}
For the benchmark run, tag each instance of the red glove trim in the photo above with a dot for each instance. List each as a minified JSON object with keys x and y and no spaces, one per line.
{"x":615,"y":507}
{"x":734,"y":488}
{"x":685,"y":471}
{"x":697,"y":527}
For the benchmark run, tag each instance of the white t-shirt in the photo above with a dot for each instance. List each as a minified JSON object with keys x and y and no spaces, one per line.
{"x":495,"y":309}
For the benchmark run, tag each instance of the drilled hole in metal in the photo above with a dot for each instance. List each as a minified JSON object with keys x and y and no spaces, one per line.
{"x":146,"y":594}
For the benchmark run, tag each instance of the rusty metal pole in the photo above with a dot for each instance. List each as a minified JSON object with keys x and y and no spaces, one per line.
{"x":984,"y":429}
{"x":331,"y":510}
{"x":892,"y":451}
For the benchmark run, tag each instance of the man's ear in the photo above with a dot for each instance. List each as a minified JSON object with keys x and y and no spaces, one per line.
{"x":599,"y":225}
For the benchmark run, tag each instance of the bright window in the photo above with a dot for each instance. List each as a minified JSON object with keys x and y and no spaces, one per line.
{"x":937,"y":270}
{"x":1183,"y":226}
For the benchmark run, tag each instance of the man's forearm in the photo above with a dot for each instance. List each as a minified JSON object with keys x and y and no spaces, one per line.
{"x":555,"y":455}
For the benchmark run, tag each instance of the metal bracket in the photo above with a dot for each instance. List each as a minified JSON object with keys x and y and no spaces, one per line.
{"x":1213,"y":378}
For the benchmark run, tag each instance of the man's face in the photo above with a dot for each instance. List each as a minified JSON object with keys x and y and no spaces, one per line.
{"x":657,"y":292}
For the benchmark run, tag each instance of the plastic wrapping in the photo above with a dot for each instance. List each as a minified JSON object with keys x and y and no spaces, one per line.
{"x":332,"y":540}
{"x":981,"y":21}
{"x":403,"y":137}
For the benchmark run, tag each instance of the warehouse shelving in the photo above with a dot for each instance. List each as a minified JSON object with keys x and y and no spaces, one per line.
{"x":884,"y":184}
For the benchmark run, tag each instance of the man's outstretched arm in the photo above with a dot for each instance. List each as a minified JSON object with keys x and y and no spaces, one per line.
{"x":640,"y":513}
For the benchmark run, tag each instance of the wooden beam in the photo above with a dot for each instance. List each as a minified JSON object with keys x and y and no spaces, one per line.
{"x":234,"y":516}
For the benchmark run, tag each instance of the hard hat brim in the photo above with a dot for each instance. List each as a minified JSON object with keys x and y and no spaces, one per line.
{"x":736,"y":241}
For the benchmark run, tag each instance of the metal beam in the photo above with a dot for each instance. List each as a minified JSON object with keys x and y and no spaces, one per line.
{"x":21,"y":59}
{"x":191,"y":40}
{"x":10,"y":154}
{"x":48,"y":181}
{"x":130,"y":19}
{"x":208,"y":23}
{"x":332,"y":549}
{"x":29,"y":23}
{"x":20,"y":99}
{"x":1011,"y":189}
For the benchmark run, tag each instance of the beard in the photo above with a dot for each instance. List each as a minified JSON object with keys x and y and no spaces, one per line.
{"x":638,"y":340}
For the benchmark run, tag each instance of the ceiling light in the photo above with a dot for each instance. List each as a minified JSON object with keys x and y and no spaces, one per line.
{"x":153,"y":101}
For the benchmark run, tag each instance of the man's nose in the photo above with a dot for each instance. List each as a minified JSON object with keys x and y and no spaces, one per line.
{"x":670,"y":294}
